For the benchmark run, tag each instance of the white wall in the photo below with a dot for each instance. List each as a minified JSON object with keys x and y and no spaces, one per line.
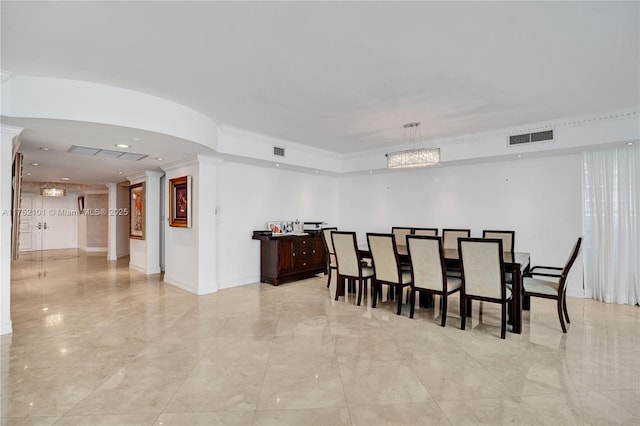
{"x":181,"y":244}
{"x":249,"y":197}
{"x":9,"y":137}
{"x":538,"y":198}
{"x":144,"y":255}
{"x":122,"y":221}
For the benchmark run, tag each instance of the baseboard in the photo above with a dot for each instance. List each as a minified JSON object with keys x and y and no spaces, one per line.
{"x":94,"y":249}
{"x":6,"y":328}
{"x":253,"y":279}
{"x":182,"y":285}
{"x":143,"y":270}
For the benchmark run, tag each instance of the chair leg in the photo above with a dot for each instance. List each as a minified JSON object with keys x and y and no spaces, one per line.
{"x":399,"y":295}
{"x":526,"y":303}
{"x":359,"y":292}
{"x":564,"y":308}
{"x":374,"y":293}
{"x":412,"y":301}
{"x":561,"y":315}
{"x":339,"y":283}
{"x":443,"y":300}
{"x":469,"y":308}
{"x":329,"y":278}
{"x":463,"y":316}
{"x":503,"y":321}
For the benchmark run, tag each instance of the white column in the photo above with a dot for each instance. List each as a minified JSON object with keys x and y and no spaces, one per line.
{"x":112,"y":239}
{"x":10,"y":138}
{"x":144,"y":255}
{"x":153,"y":221}
{"x":205,"y":188}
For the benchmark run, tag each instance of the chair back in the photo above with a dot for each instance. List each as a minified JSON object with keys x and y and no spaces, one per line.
{"x":432,"y":232}
{"x":569,"y":264}
{"x":507,"y":237}
{"x":401,"y":234}
{"x":347,"y":255}
{"x":328,"y":245}
{"x":384,"y":254}
{"x":482,"y":267}
{"x":427,"y":263}
{"x":450,"y":237}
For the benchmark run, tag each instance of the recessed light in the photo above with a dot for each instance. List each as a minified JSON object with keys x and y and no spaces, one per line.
{"x":120,"y":172}
{"x":122,"y":145}
{"x":277,"y":165}
{"x":370,"y":172}
{"x":28,"y":174}
{"x":44,"y":148}
{"x":35,"y":164}
{"x":629,"y":143}
{"x":135,"y":139}
{"x":316,"y":172}
{"x":65,"y":178}
{"x":159,"y":158}
{"x":519,"y":155}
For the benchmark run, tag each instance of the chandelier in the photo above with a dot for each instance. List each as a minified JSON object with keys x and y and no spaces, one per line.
{"x":416,"y":156}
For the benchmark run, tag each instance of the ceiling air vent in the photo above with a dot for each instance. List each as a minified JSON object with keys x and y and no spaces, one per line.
{"x":278,"y":151}
{"x":547,"y":135}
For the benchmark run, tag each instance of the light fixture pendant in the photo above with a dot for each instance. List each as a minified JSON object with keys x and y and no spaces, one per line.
{"x":415,"y":156}
{"x":53,"y":192}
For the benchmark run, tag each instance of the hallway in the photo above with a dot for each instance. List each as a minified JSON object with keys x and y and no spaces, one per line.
{"x":97,"y":343}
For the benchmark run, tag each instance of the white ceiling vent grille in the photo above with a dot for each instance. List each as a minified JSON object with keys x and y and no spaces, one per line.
{"x":105,"y":153}
{"x":278,"y":151}
{"x":547,"y":135}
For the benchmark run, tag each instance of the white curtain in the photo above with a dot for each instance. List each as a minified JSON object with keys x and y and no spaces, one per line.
{"x":612,"y":224}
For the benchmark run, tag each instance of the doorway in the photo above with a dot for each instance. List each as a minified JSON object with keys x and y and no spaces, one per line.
{"x":48,"y":223}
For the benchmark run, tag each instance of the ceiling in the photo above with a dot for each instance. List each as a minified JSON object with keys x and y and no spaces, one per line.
{"x":341,"y":76}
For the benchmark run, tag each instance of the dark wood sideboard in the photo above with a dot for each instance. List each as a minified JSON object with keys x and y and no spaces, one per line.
{"x":290,"y":257}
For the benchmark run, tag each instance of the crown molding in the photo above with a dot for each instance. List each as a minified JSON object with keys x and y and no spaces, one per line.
{"x":180,"y":163}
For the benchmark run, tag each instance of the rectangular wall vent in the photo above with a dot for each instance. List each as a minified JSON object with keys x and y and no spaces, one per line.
{"x":547,"y":135}
{"x":278,"y":151}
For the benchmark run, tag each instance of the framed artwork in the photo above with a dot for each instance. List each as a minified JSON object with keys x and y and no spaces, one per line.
{"x":180,"y":202}
{"x":81,"y":204}
{"x":137,"y":211}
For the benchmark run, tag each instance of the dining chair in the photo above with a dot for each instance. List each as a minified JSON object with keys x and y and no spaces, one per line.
{"x":482,"y":265}
{"x":508,"y":241}
{"x":450,"y":237}
{"x":432,"y":232}
{"x":428,"y":272}
{"x":552,"y":289}
{"x":450,"y":241}
{"x":401,"y":232}
{"x":330,"y":255}
{"x":349,"y":262}
{"x":386,"y":266}
{"x":507,"y":237}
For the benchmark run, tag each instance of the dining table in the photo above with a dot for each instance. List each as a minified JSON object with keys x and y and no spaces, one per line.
{"x":517,"y":263}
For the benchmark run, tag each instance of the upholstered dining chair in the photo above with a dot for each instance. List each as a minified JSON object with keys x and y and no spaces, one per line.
{"x":428,"y":272}
{"x":432,"y":232}
{"x":349,"y":262}
{"x":450,"y":237}
{"x":507,"y":237}
{"x":555,"y":288}
{"x":386,"y":266}
{"x":508,"y":240}
{"x":401,"y":232}
{"x":450,"y":241}
{"x":483,"y":276}
{"x":330,"y":255}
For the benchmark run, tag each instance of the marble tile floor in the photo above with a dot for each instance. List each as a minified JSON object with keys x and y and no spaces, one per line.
{"x":96,"y":343}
